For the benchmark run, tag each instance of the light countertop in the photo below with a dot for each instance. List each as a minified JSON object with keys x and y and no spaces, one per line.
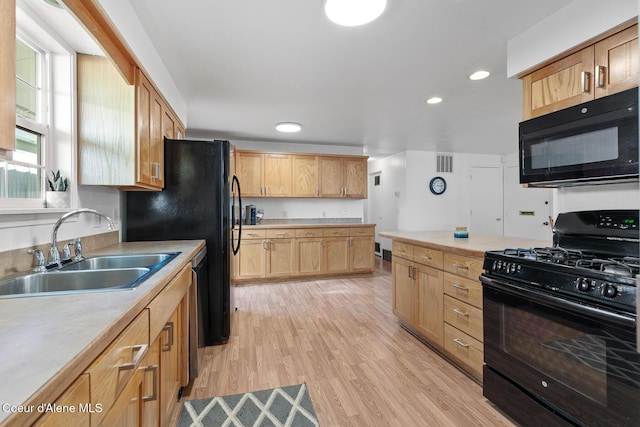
{"x":301,"y":225}
{"x":475,"y":245}
{"x":49,"y":340}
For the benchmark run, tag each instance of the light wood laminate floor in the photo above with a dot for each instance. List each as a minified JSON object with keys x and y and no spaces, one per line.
{"x":341,"y":338}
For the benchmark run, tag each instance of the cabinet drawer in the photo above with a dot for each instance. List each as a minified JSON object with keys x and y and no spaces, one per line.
{"x":283,"y":233}
{"x":463,"y":316}
{"x":467,"y":290}
{"x":249,"y":233}
{"x":465,"y":349}
{"x":165,"y":303}
{"x":309,"y":232}
{"x":362,"y":231}
{"x":402,"y":250}
{"x":335,"y":232}
{"x":115,"y":367}
{"x":463,"y":265}
{"x":430,"y":257}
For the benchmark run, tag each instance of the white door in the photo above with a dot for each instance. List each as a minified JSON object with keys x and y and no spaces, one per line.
{"x":375,"y":208}
{"x":485,"y":215}
{"x":527,"y":211}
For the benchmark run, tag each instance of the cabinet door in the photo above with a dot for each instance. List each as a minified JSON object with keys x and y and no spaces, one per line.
{"x":309,"y":256}
{"x":77,"y":394}
{"x":251,"y":259}
{"x":362,"y":254}
{"x":151,"y":386}
{"x":305,"y":176}
{"x":429,"y":318}
{"x":156,"y":142}
{"x":616,"y":62}
{"x":355,"y":178}
{"x":277,"y":175}
{"x":336,"y":255}
{"x":249,"y":170}
{"x":168,"y":124}
{"x":8,"y":75}
{"x":169,"y":367}
{"x":403,"y":295}
{"x":330,"y":176}
{"x":144,"y":112}
{"x":280,"y":257}
{"x":559,"y":85}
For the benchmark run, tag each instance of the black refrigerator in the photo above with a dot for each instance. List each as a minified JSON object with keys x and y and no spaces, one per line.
{"x":197,"y":202}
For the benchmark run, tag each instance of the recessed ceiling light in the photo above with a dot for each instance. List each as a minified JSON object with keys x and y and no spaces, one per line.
{"x":479,"y":75}
{"x":352,"y":13}
{"x":288,"y":127}
{"x":434,"y":100}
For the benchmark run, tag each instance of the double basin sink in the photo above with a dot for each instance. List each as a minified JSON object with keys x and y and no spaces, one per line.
{"x":95,"y":274}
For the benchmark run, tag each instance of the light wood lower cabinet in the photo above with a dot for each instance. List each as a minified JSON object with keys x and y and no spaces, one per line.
{"x":438,"y":295}
{"x":302,"y":252}
{"x":136,"y":380}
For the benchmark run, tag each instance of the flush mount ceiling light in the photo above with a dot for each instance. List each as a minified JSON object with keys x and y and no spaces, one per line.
{"x":351,"y":13}
{"x":288,"y":127}
{"x":479,"y":75}
{"x":434,"y":100}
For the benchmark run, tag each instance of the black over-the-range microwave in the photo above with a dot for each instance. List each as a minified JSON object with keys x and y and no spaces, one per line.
{"x":591,"y":143}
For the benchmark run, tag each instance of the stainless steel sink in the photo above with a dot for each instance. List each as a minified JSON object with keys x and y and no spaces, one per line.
{"x":121,"y":261}
{"x":67,"y":282}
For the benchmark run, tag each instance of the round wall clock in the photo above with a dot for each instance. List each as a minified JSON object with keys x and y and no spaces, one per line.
{"x":437,"y":185}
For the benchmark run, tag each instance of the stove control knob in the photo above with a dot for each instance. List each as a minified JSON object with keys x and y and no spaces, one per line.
{"x":609,"y":291}
{"x":584,"y":285}
{"x":513,"y":269}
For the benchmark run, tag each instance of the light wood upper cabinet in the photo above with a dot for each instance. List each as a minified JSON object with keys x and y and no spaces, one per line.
{"x":249,"y":171}
{"x":343,"y":177}
{"x":277,"y":175}
{"x":616,"y":60}
{"x":591,"y":71}
{"x":121,"y":127}
{"x":305,"y":176}
{"x":8,"y":75}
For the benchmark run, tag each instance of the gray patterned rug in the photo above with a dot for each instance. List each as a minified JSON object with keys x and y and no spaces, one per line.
{"x":285,"y":406}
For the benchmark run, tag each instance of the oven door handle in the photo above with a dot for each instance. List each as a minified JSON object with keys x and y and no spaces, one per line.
{"x":561,"y":303}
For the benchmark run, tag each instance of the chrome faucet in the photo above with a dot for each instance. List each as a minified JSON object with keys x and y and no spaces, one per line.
{"x":54,"y":254}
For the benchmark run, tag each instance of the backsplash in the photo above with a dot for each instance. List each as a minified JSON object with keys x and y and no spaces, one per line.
{"x":18,"y":260}
{"x":274,"y":221}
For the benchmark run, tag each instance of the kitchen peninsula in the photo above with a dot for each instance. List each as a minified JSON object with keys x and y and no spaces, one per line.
{"x":436,"y":293}
{"x":71,"y":350}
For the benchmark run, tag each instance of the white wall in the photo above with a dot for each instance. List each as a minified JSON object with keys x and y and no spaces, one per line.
{"x":572,"y":25}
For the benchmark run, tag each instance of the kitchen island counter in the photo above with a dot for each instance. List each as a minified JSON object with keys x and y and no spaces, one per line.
{"x":50,"y":340}
{"x":474,"y":245}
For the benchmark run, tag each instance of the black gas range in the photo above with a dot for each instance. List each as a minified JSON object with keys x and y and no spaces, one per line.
{"x":599,"y":267}
{"x":559,"y":324}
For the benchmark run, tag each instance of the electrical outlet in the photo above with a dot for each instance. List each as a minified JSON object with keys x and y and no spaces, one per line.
{"x":344,"y":211}
{"x":97,"y":221}
{"x":284,"y":214}
{"x":324,"y":214}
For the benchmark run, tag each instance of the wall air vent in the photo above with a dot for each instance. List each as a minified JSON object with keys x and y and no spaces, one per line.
{"x":444,"y":163}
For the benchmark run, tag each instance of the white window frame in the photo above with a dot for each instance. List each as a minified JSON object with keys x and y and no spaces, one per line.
{"x":41,"y":125}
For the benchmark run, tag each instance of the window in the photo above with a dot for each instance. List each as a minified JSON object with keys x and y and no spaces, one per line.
{"x":22,"y":178}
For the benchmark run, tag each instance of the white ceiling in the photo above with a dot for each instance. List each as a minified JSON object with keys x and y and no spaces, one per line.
{"x":244,"y":65}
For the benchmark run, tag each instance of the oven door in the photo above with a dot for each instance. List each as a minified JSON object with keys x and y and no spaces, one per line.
{"x":576,"y":360}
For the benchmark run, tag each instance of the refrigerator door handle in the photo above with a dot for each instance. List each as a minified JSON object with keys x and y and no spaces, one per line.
{"x":235,"y":181}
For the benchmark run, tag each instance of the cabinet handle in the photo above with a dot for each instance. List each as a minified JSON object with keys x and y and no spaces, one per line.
{"x":141,"y":350}
{"x":155,"y":170}
{"x":460,"y":343}
{"x":317,"y":191}
{"x":308,"y":234}
{"x":154,"y":394}
{"x":414,"y":273}
{"x":410,"y":271}
{"x":281,"y":234}
{"x":585,"y":81}
{"x":460,"y":313}
{"x":456,"y":265}
{"x":461,"y":288}
{"x":322,"y":243}
{"x":169,"y":329}
{"x":600,"y":75}
{"x":427,"y":258}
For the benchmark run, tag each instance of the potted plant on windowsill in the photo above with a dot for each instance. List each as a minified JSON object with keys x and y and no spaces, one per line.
{"x":56,"y":195}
